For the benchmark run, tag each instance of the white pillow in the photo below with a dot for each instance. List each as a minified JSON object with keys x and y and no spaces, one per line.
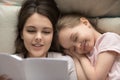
{"x":109,"y":24}
{"x":8,"y":22}
{"x":11,"y":2}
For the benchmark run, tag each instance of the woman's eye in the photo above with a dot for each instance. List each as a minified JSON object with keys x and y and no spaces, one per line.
{"x":31,"y":31}
{"x":46,"y":32}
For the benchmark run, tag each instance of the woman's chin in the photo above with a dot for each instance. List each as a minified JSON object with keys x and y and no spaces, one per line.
{"x":38,"y":54}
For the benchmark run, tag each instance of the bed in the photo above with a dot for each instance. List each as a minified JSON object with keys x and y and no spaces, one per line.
{"x":107,"y":12}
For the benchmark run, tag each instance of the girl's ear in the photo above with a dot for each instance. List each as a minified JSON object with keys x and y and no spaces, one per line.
{"x":84,"y":21}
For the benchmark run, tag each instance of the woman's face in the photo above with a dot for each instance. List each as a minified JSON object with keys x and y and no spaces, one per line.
{"x":37,"y":35}
{"x":80,"y":39}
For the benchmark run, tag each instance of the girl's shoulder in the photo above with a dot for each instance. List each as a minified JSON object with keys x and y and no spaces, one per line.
{"x":108,"y":37}
{"x":111,"y":34}
{"x":108,"y":42}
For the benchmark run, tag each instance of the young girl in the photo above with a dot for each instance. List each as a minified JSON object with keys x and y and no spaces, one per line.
{"x":97,"y":53}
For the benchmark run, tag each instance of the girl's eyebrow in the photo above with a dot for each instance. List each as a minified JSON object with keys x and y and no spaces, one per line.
{"x":72,"y":36}
{"x":64,"y":48}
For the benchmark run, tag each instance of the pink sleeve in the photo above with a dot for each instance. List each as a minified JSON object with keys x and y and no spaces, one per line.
{"x":109,"y":42}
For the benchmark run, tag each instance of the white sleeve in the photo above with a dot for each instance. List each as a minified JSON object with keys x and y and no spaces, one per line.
{"x":71,"y":69}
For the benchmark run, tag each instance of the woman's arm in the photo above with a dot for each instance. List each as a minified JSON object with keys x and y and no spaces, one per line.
{"x":102,"y":67}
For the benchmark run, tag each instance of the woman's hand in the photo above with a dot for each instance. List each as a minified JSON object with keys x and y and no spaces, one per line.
{"x":4,"y":77}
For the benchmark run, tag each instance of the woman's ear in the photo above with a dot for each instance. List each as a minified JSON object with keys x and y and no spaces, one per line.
{"x":84,"y":21}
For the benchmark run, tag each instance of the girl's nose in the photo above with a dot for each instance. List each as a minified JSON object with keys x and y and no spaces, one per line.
{"x":78,"y":45}
{"x":38,"y":37}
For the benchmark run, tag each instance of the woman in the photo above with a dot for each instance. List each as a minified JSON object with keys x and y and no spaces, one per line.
{"x":35,"y":32}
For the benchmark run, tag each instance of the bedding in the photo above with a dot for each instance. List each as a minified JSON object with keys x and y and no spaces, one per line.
{"x":8,"y":20}
{"x":109,"y":24}
{"x":11,"y":2}
{"x":107,"y":12}
{"x":92,"y":8}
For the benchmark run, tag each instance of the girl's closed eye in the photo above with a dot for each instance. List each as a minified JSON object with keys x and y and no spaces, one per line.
{"x":74,"y":37}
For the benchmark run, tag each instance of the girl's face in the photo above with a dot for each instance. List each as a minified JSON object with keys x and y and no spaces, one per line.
{"x":80,"y":39}
{"x":37,"y":35}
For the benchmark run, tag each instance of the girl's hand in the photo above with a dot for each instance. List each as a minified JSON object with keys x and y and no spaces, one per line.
{"x":73,"y":54}
{"x":70,"y":53}
{"x":4,"y":77}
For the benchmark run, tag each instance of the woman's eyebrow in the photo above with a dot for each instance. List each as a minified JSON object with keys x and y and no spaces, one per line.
{"x":30,"y":27}
{"x":48,"y":28}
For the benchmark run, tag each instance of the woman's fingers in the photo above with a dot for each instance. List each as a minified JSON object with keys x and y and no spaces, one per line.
{"x":4,"y":77}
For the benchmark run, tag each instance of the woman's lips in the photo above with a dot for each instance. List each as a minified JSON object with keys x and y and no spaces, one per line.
{"x":37,"y":46}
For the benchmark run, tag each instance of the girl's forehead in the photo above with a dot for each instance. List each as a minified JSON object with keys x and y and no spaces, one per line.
{"x":64,"y":37}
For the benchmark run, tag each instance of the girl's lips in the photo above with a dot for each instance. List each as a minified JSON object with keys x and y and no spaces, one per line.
{"x":84,"y":45}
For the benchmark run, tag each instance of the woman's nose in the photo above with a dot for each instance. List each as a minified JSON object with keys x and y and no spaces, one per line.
{"x":38,"y":37}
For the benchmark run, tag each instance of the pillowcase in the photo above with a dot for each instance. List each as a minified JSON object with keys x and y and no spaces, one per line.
{"x":109,"y":24}
{"x":92,"y":8}
{"x":11,"y":2}
{"x":8,"y":20}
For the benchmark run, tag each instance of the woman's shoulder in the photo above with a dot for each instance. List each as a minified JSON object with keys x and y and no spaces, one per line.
{"x":18,"y":55}
{"x":59,"y":55}
{"x":54,"y":54}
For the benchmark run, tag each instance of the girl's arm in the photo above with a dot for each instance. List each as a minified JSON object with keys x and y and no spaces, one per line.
{"x":102,"y":67}
{"x":80,"y":73}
